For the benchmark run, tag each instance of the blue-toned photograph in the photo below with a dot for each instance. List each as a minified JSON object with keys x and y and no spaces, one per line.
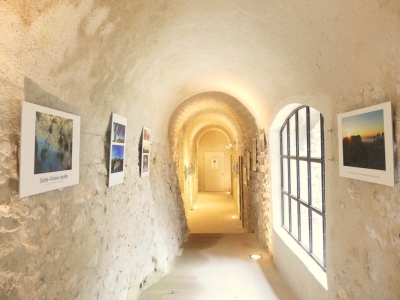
{"x":53,"y":143}
{"x":117,"y":158}
{"x":118,"y":133}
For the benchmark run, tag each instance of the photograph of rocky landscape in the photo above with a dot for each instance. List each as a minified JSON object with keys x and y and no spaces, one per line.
{"x":53,"y":143}
{"x":364,"y":141}
{"x":117,"y":158}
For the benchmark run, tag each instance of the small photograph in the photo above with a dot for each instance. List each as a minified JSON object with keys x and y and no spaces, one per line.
{"x":53,"y":143}
{"x":145,"y":163}
{"x":146,"y":134}
{"x":117,"y":158}
{"x":146,"y":146}
{"x":262,"y":160}
{"x":118,"y":131}
{"x":364,"y":140}
{"x":262,"y":142}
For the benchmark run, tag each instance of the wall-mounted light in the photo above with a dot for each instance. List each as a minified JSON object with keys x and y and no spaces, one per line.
{"x":231,"y":145}
{"x":255,"y":256}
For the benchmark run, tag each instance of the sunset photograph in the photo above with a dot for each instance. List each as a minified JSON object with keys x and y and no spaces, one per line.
{"x":364,"y":140}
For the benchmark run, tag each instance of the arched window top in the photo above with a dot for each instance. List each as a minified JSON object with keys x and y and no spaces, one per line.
{"x":303,"y":180}
{"x":305,"y":127}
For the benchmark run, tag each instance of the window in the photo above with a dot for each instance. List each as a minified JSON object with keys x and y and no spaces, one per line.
{"x":303,"y":180}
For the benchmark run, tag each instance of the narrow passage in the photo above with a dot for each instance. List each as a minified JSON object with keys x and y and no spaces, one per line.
{"x":215,"y":265}
{"x":218,"y":267}
{"x":214,"y":213}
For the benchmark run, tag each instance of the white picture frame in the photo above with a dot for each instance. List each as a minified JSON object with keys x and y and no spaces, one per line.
{"x":366,"y":149}
{"x":248,"y":166}
{"x":117,"y":150}
{"x":145,"y":161}
{"x":50,"y":143}
{"x":254,"y":155}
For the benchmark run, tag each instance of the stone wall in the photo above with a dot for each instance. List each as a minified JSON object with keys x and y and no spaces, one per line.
{"x":86,"y":241}
{"x":363,"y":220}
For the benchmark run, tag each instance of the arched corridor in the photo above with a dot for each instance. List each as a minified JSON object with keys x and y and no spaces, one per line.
{"x":222,"y":109}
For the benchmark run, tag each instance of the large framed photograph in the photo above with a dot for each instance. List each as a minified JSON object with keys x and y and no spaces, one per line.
{"x":145,"y":163}
{"x":50,"y":141}
{"x":366,"y":144}
{"x":117,"y":150}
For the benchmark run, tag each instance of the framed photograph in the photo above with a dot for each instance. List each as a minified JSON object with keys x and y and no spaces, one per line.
{"x":117,"y":150}
{"x":261,"y":153}
{"x":262,"y":141}
{"x":248,"y":166}
{"x":254,"y":155}
{"x":145,"y":163}
{"x":366,"y":144}
{"x":50,"y":141}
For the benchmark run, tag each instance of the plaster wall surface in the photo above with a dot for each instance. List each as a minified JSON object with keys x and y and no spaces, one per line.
{"x":142,"y":59}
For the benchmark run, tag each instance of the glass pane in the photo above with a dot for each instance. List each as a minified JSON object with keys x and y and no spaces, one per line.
{"x":284,"y":175}
{"x":284,"y":141}
{"x":302,"y":132}
{"x":293,"y":177}
{"x":305,"y":237}
{"x":317,"y":236}
{"x":316,"y":185}
{"x":292,"y":132}
{"x":303,"y":170}
{"x":285,"y":210}
{"x":315,"y":133}
{"x":295,"y":224}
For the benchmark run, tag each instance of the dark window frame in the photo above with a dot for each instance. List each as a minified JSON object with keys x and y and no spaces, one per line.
{"x":296,"y":196}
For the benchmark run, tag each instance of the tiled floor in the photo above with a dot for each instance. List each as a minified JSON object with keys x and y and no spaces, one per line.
{"x":216,"y":266}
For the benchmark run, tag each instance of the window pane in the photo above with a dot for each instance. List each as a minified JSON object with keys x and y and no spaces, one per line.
{"x":317,"y":236}
{"x":305,"y":238}
{"x":303,"y":180}
{"x":302,"y":132}
{"x":284,"y":141}
{"x":285,"y":174}
{"x":292,"y":132}
{"x":293,"y":177}
{"x":315,"y":133}
{"x":316,"y":185}
{"x":285,"y":211}
{"x":295,"y":224}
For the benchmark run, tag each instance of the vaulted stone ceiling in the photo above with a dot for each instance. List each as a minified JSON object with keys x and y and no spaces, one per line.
{"x":154,"y":55}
